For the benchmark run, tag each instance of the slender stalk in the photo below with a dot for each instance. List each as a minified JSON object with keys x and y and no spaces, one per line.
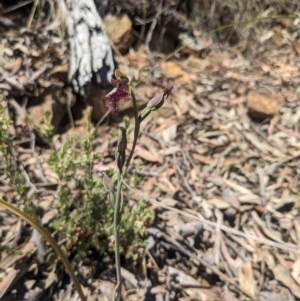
{"x":34,"y":223}
{"x":117,"y":221}
{"x":118,"y":207}
{"x":136,"y":132}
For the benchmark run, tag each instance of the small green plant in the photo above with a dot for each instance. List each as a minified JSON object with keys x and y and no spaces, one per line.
{"x":13,"y":170}
{"x":5,"y":123}
{"x":133,"y":229}
{"x":80,"y":195}
{"x":45,"y":129}
{"x":16,"y":178}
{"x":85,"y":212}
{"x":136,"y":179}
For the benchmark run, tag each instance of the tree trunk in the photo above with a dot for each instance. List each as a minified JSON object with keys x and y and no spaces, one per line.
{"x":90,"y":53}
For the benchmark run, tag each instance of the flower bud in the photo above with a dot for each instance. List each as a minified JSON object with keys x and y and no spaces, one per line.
{"x":122,"y":140}
{"x":157,"y":101}
{"x":121,"y":149}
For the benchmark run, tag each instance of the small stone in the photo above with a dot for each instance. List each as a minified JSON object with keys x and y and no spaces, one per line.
{"x":262,"y":106}
{"x":119,"y":31}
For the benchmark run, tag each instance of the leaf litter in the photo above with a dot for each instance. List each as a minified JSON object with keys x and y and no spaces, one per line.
{"x":220,"y":170}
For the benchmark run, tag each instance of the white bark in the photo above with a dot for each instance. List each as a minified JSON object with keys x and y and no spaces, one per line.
{"x":90,"y":52}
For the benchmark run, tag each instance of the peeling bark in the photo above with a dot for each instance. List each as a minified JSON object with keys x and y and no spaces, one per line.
{"x":90,"y":52}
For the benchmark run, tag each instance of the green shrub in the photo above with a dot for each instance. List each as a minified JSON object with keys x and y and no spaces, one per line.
{"x":84,"y":213}
{"x":85,"y":216}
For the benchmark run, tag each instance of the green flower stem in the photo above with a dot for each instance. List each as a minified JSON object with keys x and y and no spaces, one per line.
{"x":117,"y":221}
{"x":118,"y":207}
{"x":136,"y":133}
{"x":43,"y":231}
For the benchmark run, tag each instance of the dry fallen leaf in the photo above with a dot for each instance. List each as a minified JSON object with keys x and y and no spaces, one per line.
{"x":7,"y":280}
{"x":147,"y":155}
{"x":246,"y":278}
{"x":283,"y":275}
{"x":296,"y":271}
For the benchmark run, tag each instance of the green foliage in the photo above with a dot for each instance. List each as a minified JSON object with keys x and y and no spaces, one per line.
{"x":126,"y":123}
{"x":115,"y":132}
{"x":85,"y":214}
{"x":133,"y":230}
{"x":5,"y":123}
{"x":15,"y":173}
{"x":136,"y":179}
{"x":80,"y":196}
{"x":45,"y":129}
